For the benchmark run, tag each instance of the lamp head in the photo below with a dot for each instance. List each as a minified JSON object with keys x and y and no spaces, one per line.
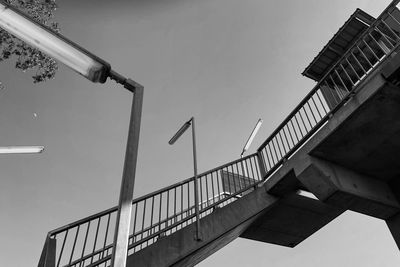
{"x":252,"y":135}
{"x":53,"y":44}
{"x":21,"y":149}
{"x":180,"y":132}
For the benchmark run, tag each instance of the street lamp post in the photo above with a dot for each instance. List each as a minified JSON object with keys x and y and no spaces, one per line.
{"x":96,"y":70}
{"x":176,"y":136}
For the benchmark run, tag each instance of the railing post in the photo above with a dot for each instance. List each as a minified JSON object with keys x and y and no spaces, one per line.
{"x":48,"y":256}
{"x":121,"y":236}
{"x":196,"y":183}
{"x":261,"y":164}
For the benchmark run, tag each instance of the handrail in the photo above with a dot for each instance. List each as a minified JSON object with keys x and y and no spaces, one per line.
{"x":141,"y":198}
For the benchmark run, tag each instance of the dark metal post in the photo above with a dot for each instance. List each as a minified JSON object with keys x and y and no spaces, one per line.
{"x":48,"y":257}
{"x":196,"y":185}
{"x":120,"y":248}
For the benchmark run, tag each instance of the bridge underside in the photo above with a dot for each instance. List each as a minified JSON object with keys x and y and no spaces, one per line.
{"x":258,"y":216}
{"x":353,"y":162}
{"x":368,"y":142}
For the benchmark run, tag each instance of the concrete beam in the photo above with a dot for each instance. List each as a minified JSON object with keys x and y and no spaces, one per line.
{"x":291,"y":220}
{"x":341,"y":187}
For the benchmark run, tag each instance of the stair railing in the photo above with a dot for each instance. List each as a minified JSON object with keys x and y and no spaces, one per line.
{"x":338,"y":85}
{"x":89,"y":241}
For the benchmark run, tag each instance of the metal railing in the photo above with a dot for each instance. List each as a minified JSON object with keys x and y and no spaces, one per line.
{"x":337,"y":86}
{"x":89,"y":241}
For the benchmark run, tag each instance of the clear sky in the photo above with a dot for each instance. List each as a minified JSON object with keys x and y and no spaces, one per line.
{"x":226,"y":62}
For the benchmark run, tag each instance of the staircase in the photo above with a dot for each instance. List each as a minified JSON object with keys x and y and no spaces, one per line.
{"x":169,"y":212}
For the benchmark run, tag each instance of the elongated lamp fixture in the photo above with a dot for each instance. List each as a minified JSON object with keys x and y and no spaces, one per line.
{"x":21,"y":149}
{"x":251,"y":137}
{"x":180,"y":132}
{"x":53,"y":44}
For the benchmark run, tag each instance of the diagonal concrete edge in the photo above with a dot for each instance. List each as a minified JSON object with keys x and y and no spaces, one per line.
{"x":218,"y":229}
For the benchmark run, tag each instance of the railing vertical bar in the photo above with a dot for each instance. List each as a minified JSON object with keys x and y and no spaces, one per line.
{"x":384,"y":36}
{"x":302,"y":120}
{"x":358,"y":62}
{"x":370,"y":49}
{"x":285,"y":135}
{"x":311,"y":111}
{"x":252,"y":170}
{"x":84,"y":245}
{"x":106,"y":235}
{"x":351,"y":66}
{"x":175,"y":205}
{"x":228,"y":178}
{"x":336,"y":96}
{"x":247,"y":168}
{"x":364,"y":56}
{"x":377,"y":43}
{"x":316,"y":107}
{"x":73,"y":246}
{"x":206,"y":178}
{"x":394,"y":18}
{"x":262,"y":162}
{"x":233,"y":176}
{"x":294,"y":130}
{"x":321,"y":102}
{"x":181,"y":187}
{"x":143,"y":221}
{"x":298,"y":125}
{"x":348,"y":76}
{"x":62,"y":248}
{"x":243,"y":171}
{"x":238,"y":173}
{"x":390,"y":29}
{"x":308,"y":119}
{"x":95,"y":239}
{"x":341,"y":80}
{"x":212,"y":186}
{"x":268,"y":150}
{"x":134,"y":236}
{"x":290,"y":135}
{"x":283,"y":144}
{"x":337,"y":88}
{"x":219,"y":190}
{"x":188,"y":195}
{"x":160,"y":213}
{"x":273,"y":146}
{"x":152,"y":213}
{"x":201,"y":192}
{"x":166,"y":222}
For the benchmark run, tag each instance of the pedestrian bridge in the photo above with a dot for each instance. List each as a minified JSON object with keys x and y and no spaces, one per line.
{"x":337,"y":150}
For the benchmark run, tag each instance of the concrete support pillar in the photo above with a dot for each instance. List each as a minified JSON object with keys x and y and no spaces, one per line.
{"x":347,"y":189}
{"x":394,"y":226}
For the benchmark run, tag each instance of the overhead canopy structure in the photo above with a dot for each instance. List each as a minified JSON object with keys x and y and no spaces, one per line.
{"x":358,"y":22}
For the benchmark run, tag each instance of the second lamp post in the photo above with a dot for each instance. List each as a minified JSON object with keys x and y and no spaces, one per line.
{"x":196,"y":183}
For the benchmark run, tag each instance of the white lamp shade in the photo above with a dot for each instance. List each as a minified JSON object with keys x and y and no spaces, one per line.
{"x":21,"y":149}
{"x":252,"y":135}
{"x":53,"y":44}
